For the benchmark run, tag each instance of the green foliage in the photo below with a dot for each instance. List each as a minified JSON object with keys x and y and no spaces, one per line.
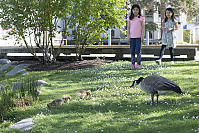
{"x":6,"y":100}
{"x":151,"y":26}
{"x":90,"y":20}
{"x":147,"y":5}
{"x":186,"y":35}
{"x":189,"y":7}
{"x":33,"y":23}
{"x":2,"y":73}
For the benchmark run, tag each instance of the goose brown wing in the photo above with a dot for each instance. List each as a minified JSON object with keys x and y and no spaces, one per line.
{"x":167,"y":85}
{"x":57,"y":100}
{"x":155,"y":80}
{"x":163,"y":84}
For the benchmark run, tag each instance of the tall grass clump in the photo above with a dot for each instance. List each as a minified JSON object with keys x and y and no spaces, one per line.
{"x":20,"y":93}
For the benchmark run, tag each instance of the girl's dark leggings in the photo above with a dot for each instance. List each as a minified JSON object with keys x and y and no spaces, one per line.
{"x":163,"y":49}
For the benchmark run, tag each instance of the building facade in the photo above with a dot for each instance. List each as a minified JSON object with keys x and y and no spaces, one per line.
{"x":194,"y":31}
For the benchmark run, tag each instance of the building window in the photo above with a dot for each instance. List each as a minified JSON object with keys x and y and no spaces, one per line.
{"x":150,"y":35}
{"x":197,"y":20}
{"x":112,"y":33}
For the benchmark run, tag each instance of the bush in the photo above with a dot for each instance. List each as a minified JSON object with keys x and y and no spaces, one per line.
{"x":186,"y":35}
{"x":22,"y":96}
{"x":6,"y":100}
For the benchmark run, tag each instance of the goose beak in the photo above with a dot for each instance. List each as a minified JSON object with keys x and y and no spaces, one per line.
{"x":134,"y":83}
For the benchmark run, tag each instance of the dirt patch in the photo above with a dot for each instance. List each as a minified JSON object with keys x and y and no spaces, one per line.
{"x":67,"y":65}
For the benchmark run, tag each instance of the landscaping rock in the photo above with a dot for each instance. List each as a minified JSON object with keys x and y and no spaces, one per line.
{"x":40,"y":82}
{"x":5,"y":66}
{"x":17,"y":69}
{"x":13,"y":72}
{"x":4,"y":61}
{"x":25,"y":124}
{"x":14,"y":62}
{"x":22,"y":65}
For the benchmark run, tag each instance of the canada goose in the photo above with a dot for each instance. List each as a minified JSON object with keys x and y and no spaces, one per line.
{"x":58,"y":102}
{"x":156,"y":84}
{"x":83,"y":93}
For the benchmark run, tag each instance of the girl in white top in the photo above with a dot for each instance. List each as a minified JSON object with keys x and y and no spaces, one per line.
{"x":168,"y":36}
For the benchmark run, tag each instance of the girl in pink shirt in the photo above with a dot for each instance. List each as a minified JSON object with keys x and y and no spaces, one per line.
{"x":135,"y":34}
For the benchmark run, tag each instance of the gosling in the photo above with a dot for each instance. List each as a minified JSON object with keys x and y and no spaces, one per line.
{"x":82,"y":94}
{"x":58,"y":102}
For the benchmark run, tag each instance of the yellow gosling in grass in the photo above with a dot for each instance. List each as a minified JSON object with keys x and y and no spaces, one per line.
{"x":58,"y":102}
{"x":82,"y":94}
{"x":66,"y":98}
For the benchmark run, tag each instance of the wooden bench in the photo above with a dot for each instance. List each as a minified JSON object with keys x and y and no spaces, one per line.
{"x":118,"y":50}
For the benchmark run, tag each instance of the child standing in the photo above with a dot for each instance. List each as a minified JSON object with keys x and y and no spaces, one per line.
{"x":168,"y":36}
{"x":135,"y":34}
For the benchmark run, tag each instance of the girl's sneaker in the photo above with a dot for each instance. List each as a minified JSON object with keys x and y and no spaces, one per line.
{"x":133,"y":66}
{"x":172,"y":62}
{"x":138,"y":66}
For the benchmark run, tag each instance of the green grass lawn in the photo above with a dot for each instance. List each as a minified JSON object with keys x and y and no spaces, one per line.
{"x":114,"y":107}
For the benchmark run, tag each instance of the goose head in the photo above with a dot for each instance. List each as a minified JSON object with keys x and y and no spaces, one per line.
{"x":88,"y":92}
{"x":66,"y":98}
{"x":137,"y":82}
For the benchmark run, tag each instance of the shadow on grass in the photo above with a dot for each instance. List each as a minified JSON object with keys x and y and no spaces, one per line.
{"x":182,"y":121}
{"x":73,"y":116}
{"x":194,"y":64}
{"x":188,"y":71}
{"x":106,"y":106}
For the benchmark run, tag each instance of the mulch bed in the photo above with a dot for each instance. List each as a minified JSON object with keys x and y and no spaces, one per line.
{"x":66,"y":65}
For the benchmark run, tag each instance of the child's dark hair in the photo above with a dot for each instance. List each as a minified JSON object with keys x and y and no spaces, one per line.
{"x":132,"y":15}
{"x":172,"y":17}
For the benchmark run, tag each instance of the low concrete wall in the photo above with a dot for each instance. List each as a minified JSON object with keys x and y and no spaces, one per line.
{"x":118,"y":50}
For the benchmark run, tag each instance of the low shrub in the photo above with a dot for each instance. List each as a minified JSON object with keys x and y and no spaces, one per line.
{"x":186,"y":35}
{"x":22,"y":95}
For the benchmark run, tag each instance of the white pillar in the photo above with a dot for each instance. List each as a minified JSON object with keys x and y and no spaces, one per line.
{"x":109,"y":37}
